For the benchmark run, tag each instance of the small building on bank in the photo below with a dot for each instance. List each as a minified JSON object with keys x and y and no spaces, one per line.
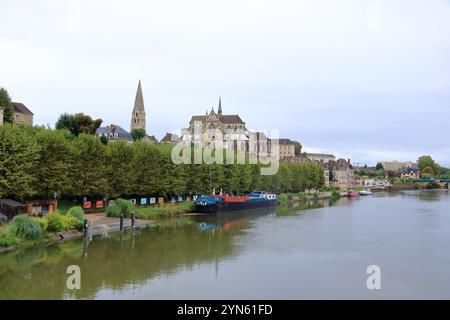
{"x":114,"y":132}
{"x":21,"y":115}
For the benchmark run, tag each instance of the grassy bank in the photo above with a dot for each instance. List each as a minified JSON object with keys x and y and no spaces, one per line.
{"x":25,"y":230}
{"x":167,"y":210}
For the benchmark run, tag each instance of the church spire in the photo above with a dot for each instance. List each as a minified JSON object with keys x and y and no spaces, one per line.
{"x":138,"y":120}
{"x":220,"y":106}
{"x":139,"y":101}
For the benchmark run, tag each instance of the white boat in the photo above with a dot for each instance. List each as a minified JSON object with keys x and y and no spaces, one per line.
{"x":365,"y":192}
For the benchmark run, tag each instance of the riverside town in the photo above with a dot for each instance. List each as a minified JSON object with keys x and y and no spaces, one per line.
{"x":272,"y":152}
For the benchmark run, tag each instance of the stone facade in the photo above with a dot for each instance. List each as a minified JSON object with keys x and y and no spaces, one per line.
{"x":287,"y":148}
{"x":204,"y":130}
{"x":138,"y":117}
{"x":21,"y":114}
{"x":395,"y":166}
{"x":321,"y":157}
{"x":340,"y":174}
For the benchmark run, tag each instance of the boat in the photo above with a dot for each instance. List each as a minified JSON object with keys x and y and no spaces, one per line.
{"x":365,"y":192}
{"x":352,"y":194}
{"x":224,"y":203}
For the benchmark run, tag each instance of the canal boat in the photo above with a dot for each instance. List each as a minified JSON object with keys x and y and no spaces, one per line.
{"x":352,"y":194}
{"x":224,"y":203}
{"x":365,"y":192}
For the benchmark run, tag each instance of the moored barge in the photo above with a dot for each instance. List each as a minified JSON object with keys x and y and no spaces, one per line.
{"x":223,"y":203}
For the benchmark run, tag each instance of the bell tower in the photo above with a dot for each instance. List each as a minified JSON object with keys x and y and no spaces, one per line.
{"x":138,"y":115}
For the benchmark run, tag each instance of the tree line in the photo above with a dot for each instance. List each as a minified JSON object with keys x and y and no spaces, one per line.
{"x":41,"y":163}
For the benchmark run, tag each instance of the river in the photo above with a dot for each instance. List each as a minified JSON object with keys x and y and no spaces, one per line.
{"x":319,"y":250}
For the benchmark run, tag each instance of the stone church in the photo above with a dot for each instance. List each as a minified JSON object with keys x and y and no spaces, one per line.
{"x":231,"y":127}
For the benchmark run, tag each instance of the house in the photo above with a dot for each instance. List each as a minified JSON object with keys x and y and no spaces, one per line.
{"x":340,"y":174}
{"x":1,"y":116}
{"x":410,"y":173}
{"x":170,"y":138}
{"x":114,"y":133}
{"x":21,"y":115}
{"x":150,"y":139}
{"x":287,"y":148}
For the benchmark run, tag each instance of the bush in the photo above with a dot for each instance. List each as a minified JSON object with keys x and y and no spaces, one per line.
{"x":24,"y":226}
{"x":55,"y":223}
{"x":76,"y":212}
{"x":113,"y":211}
{"x":283,"y":197}
{"x":58,"y":222}
{"x":43,"y":223}
{"x":6,"y":237}
{"x":126,"y":207}
{"x":336,"y":194}
{"x":70,"y":222}
{"x":302,"y":196}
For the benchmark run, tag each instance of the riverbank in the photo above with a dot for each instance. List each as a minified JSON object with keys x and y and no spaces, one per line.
{"x":98,"y":223}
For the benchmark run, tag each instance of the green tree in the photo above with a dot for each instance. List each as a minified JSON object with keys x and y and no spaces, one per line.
{"x":298,"y":148}
{"x":89,"y":168}
{"x":55,"y":160}
{"x":138,"y":134}
{"x":5,"y":103}
{"x":428,"y":162}
{"x":379,"y":166}
{"x":78,"y":123}
{"x":119,"y":160}
{"x":19,"y":155}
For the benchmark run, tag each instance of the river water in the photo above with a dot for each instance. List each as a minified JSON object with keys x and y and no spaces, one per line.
{"x":319,"y":250}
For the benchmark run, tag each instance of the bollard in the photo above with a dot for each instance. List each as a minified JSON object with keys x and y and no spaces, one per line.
{"x":121,"y":222}
{"x":133,"y":221}
{"x":85,"y":224}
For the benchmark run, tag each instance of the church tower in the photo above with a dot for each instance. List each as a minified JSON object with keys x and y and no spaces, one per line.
{"x":138,"y":115}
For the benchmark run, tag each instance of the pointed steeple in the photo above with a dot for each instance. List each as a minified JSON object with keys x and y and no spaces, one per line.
{"x":220,"y":107}
{"x":138,"y":120}
{"x":139,"y":101}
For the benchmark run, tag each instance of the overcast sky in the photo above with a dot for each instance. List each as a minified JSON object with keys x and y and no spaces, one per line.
{"x":366,"y":80}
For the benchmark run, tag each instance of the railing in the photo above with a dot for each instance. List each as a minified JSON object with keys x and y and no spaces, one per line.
{"x":3,"y":218}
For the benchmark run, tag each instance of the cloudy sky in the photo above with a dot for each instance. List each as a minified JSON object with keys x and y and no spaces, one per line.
{"x":366,"y":80}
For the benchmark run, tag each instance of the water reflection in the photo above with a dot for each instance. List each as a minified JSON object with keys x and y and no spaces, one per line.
{"x":120,"y":259}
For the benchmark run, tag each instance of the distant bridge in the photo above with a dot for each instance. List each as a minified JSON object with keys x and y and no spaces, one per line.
{"x":444,"y":183}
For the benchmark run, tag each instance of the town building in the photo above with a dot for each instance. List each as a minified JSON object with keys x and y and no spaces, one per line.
{"x":114,"y":133}
{"x":21,"y":115}
{"x":150,"y":139}
{"x":287,"y":148}
{"x":138,"y":117}
{"x":340,"y":173}
{"x":1,"y":116}
{"x":320,"y":157}
{"x":170,"y":138}
{"x":410,"y":173}
{"x":395,"y":166}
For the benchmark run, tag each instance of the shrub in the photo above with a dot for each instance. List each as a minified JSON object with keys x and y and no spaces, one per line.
{"x":126,"y":207}
{"x":43,"y":223}
{"x":70,"y":222}
{"x":7,"y":238}
{"x":283,"y":197}
{"x":336,"y":194}
{"x":113,"y":211}
{"x":302,"y":196}
{"x":55,"y":223}
{"x":76,"y":212}
{"x":24,"y":226}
